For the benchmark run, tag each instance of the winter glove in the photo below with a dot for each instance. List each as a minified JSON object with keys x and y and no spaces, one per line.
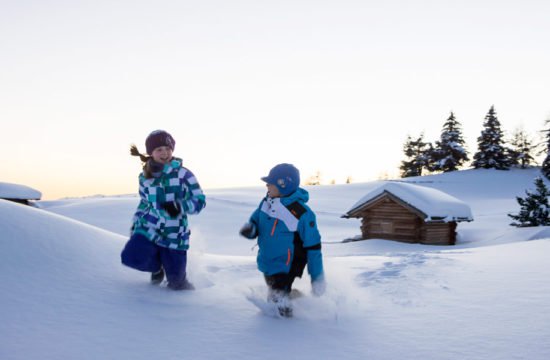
{"x":249,"y":231}
{"x":318,"y":286}
{"x":172,"y":208}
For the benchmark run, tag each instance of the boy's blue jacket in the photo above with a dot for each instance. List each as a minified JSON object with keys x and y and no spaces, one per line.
{"x":278,"y":221}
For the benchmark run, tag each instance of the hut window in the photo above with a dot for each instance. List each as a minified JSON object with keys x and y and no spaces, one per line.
{"x":387,"y":227}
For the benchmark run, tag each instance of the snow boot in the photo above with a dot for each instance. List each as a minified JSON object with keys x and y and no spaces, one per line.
{"x":157,"y":277}
{"x":185,"y":285}
{"x":285,"y":311}
{"x":282,"y":301}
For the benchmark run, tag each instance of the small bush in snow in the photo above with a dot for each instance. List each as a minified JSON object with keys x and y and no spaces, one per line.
{"x":534,"y":207}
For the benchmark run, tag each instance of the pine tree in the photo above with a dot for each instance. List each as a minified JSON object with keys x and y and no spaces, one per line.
{"x":522,"y":147}
{"x":546,"y":163}
{"x":535,"y":209}
{"x":415,"y":151}
{"x":449,"y":153}
{"x":491,"y":151}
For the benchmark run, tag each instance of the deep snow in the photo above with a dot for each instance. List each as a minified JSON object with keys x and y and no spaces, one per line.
{"x":65,"y":294}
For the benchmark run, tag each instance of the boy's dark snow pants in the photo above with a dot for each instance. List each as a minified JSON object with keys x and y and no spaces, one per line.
{"x":280,"y":282}
{"x":142,"y":254}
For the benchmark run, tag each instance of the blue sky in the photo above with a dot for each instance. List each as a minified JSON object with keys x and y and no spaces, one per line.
{"x":331,"y":86}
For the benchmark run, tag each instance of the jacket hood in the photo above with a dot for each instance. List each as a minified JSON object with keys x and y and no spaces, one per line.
{"x":299,"y":195}
{"x":173,"y":164}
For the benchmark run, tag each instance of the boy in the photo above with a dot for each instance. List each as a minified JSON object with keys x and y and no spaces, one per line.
{"x":288,"y":237}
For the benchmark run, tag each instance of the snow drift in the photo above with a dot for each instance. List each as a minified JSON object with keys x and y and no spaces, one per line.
{"x":65,"y":294}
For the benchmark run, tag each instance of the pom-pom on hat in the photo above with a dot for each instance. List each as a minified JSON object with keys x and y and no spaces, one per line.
{"x":159,"y":138}
{"x":286,"y":177}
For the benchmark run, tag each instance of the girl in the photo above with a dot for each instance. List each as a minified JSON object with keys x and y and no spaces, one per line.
{"x":160,"y":234}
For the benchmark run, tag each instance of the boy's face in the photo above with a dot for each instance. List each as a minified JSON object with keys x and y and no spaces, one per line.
{"x":162,"y":154}
{"x":272,"y":191}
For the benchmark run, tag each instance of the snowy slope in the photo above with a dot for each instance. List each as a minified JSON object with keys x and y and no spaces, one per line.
{"x":65,"y":294}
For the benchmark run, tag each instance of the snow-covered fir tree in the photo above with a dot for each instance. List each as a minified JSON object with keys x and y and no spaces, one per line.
{"x":416,"y":156}
{"x":546,"y":162}
{"x":449,"y":153}
{"x":521,"y":150}
{"x":535,"y":209}
{"x":491,"y":150}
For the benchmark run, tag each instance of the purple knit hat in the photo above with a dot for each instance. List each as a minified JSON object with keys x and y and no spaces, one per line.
{"x":159,"y":138}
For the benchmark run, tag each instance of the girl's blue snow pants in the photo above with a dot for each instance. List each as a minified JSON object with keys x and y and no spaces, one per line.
{"x":142,"y":254}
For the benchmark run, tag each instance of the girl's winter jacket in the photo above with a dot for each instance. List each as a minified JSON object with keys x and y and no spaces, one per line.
{"x":176,"y":187}
{"x":287,"y":230}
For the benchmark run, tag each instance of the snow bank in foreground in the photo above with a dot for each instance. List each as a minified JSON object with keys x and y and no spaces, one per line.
{"x":65,"y":295}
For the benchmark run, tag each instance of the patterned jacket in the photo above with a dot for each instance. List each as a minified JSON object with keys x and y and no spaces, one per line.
{"x":175,"y":184}
{"x":288,"y":236}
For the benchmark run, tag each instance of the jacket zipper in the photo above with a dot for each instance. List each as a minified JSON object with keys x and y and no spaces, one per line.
{"x":288,"y":257}
{"x":273,"y":228}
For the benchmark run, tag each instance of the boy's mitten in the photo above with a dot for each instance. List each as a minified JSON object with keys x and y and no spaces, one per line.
{"x":319,"y":286}
{"x":249,"y":231}
{"x":172,"y":208}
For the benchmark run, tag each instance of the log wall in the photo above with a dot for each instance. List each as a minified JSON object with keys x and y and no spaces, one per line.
{"x":387,"y":219}
{"x":390,"y":220}
{"x":438,"y":233}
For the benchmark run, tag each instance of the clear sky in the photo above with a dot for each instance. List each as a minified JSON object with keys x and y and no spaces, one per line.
{"x":331,"y":86}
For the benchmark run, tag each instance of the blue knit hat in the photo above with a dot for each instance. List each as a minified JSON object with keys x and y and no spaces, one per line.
{"x":285,"y":177}
{"x":157,"y":139}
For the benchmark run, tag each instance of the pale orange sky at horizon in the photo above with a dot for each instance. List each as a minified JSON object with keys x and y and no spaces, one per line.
{"x":331,"y":86}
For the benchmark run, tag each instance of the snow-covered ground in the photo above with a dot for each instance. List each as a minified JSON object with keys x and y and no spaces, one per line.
{"x":65,"y":295}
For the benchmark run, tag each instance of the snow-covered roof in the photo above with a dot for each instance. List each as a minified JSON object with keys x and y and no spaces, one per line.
{"x":19,"y":192}
{"x":434,"y":204}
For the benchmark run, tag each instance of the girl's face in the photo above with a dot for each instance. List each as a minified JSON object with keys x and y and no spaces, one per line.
{"x":273,"y":191}
{"x":162,"y":154}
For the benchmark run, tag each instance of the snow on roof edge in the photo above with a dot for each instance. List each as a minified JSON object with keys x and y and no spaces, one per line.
{"x":18,"y":192}
{"x":436,"y":204}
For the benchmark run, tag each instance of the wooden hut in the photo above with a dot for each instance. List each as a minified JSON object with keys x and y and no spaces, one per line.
{"x":410,"y":213}
{"x":18,"y":193}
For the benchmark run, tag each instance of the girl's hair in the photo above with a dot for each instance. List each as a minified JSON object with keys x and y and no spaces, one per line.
{"x":144,"y":159}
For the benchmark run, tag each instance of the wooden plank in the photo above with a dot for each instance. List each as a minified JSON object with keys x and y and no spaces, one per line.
{"x":438,"y":234}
